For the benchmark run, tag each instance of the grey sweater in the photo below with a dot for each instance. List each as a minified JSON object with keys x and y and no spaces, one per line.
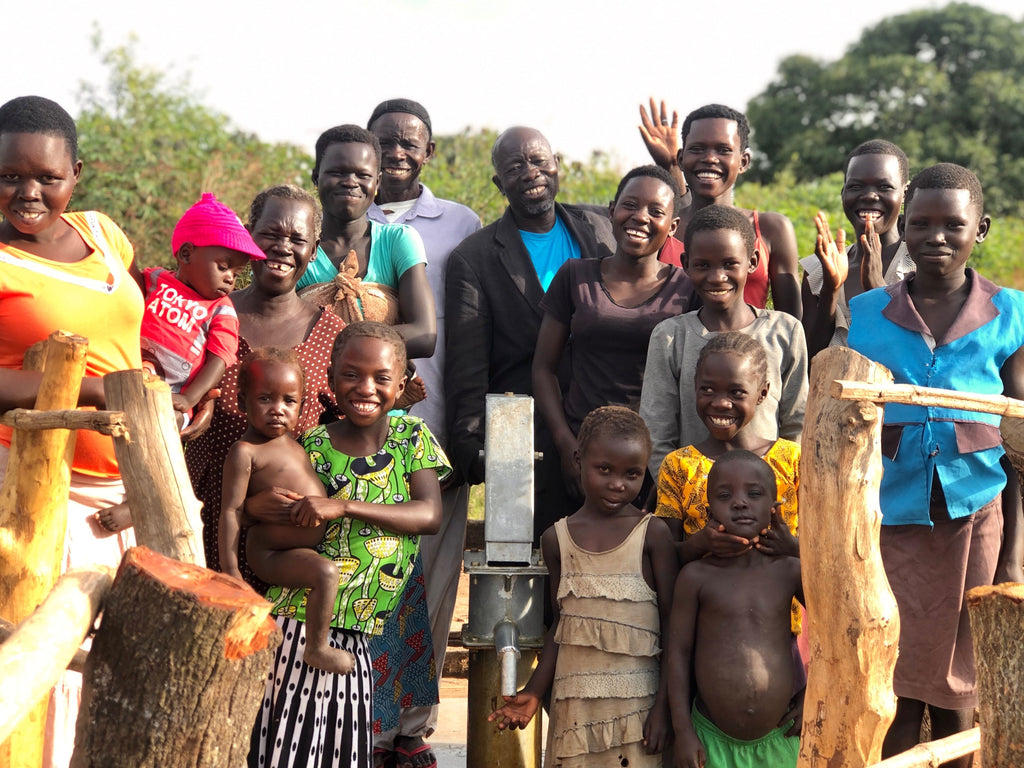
{"x":668,"y":402}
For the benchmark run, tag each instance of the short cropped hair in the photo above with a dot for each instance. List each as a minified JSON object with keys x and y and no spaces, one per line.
{"x":344,"y":134}
{"x":715,"y":217}
{"x":285,"y":192}
{"x":649,"y":171}
{"x":719,"y":111}
{"x":280,"y":355}
{"x":723,"y":462}
{"x":738,"y":344}
{"x":947,"y":176}
{"x":369,"y":329}
{"x":614,"y":421}
{"x":34,"y":114}
{"x":880,"y":147}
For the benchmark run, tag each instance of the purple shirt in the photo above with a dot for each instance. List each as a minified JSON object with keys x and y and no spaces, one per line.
{"x":608,"y":349}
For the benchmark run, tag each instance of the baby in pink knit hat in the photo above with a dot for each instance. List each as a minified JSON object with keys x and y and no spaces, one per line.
{"x":190,"y":329}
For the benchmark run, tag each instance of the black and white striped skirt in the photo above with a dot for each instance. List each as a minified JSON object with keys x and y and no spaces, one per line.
{"x":314,"y":718}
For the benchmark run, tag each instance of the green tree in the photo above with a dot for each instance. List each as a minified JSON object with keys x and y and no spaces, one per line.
{"x":946,"y":85}
{"x":150,"y":148}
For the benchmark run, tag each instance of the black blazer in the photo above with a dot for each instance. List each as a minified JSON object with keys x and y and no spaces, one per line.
{"x":492,"y":318}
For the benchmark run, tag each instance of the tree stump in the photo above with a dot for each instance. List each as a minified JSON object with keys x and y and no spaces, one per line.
{"x":853,"y":618}
{"x":177,"y":670}
{"x":34,"y":513}
{"x":165,"y":511}
{"x":997,"y":625}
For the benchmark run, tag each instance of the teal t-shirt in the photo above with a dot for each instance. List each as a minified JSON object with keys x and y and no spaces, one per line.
{"x":393,"y":249}
{"x":550,"y":250}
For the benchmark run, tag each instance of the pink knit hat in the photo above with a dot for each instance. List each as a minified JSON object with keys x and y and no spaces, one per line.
{"x":210,"y":222}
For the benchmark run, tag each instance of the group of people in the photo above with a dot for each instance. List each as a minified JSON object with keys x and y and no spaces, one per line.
{"x":333,"y":413}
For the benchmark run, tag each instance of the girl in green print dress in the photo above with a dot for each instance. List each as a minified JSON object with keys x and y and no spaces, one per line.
{"x":381,"y":475}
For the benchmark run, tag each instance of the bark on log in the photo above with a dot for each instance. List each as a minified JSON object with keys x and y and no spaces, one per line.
{"x":39,"y":649}
{"x":997,"y":626}
{"x":1012,"y":430}
{"x":933,"y":397}
{"x":33,"y":515}
{"x":853,"y":619}
{"x":177,"y":669}
{"x":105,"y":422}
{"x":164,"y":510}
{"x":933,"y":754}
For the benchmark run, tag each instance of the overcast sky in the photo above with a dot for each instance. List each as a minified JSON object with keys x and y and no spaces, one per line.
{"x":288,"y":70}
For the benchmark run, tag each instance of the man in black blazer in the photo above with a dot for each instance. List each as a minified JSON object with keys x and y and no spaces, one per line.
{"x":496,"y":278}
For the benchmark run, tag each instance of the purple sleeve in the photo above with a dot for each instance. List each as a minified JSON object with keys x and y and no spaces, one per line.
{"x":558,"y":301}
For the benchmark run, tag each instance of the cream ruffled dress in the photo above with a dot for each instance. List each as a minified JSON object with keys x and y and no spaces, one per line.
{"x":606,"y":676}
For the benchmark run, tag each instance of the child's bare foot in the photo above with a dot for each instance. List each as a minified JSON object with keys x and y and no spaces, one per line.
{"x":335,"y":660}
{"x":115,"y":518}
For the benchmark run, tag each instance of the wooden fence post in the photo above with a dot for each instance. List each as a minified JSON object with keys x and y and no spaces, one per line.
{"x":165,"y":511}
{"x":854,"y":623}
{"x":33,"y":516}
{"x":997,"y":626}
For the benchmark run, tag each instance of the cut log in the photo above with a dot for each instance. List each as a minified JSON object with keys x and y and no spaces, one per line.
{"x":39,"y":649}
{"x":1012,"y":431}
{"x":997,"y":625}
{"x":34,"y":513}
{"x":177,"y":669}
{"x":164,"y":510}
{"x":853,"y":619}
{"x":933,"y":754}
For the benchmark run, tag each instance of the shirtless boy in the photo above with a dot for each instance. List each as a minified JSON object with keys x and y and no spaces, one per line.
{"x":730,"y":626}
{"x":270,"y":389}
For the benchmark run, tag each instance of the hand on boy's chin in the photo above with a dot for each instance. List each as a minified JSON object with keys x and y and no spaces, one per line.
{"x":722,"y":544}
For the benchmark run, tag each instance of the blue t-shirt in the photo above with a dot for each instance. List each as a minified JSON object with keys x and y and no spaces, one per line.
{"x":550,"y":250}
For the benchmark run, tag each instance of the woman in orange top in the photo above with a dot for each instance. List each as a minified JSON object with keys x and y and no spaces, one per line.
{"x":66,"y":271}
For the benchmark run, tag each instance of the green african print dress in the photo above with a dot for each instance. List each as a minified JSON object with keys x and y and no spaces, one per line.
{"x":374,"y":564}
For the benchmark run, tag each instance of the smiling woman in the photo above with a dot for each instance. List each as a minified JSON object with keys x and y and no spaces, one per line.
{"x":609,"y":307}
{"x":347,"y":173}
{"x":72,"y":272}
{"x":285,"y":224}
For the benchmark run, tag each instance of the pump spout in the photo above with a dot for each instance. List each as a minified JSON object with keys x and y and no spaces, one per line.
{"x":506,"y":643}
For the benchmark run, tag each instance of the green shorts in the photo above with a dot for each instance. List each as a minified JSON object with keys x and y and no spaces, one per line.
{"x":774,"y":749}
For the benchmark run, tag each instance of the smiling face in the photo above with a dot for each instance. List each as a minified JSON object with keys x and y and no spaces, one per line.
{"x":406,"y":147}
{"x":526,"y":172}
{"x":612,"y":471}
{"x":741,"y":497}
{"x":367,"y":378}
{"x":37,"y":179}
{"x":873,"y":189}
{"x":718,"y":263}
{"x":272,"y":401}
{"x":210,"y":270}
{"x":729,"y":390}
{"x":284,"y":232}
{"x":642,"y":216}
{"x":942,"y":226}
{"x":713,"y":157}
{"x":347,"y":180}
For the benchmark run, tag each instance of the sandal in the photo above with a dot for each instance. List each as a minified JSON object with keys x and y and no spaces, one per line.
{"x":405,"y":758}
{"x":383,"y":758}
